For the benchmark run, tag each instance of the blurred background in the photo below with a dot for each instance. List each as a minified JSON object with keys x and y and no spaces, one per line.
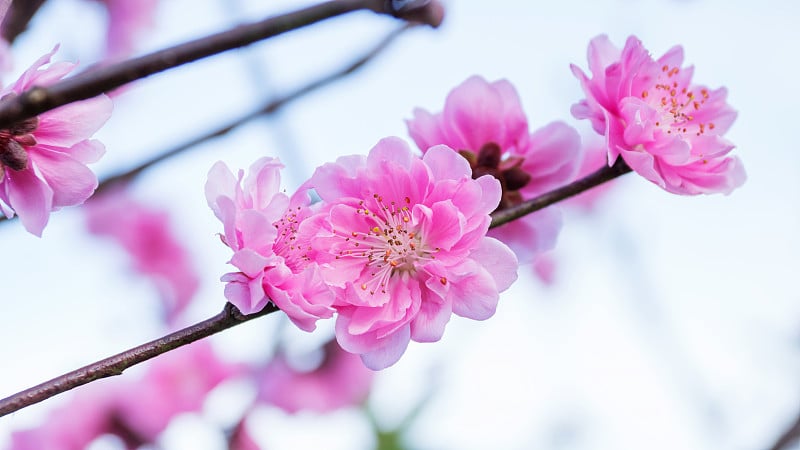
{"x":663,"y":322}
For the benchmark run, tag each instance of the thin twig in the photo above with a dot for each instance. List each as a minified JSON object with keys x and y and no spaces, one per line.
{"x":789,"y":437}
{"x":105,"y":79}
{"x":115,"y":365}
{"x":268,"y":108}
{"x":576,"y":187}
{"x":18,"y":17}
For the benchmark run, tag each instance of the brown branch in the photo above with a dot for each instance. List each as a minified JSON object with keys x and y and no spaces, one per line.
{"x":19,"y":15}
{"x":115,"y":365}
{"x":105,"y":79}
{"x":230,"y":316}
{"x":576,"y":187}
{"x":789,"y":437}
{"x":269,"y":107}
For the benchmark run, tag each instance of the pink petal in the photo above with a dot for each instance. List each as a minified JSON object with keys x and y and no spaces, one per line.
{"x":71,"y":181}
{"x":498,"y":260}
{"x":31,"y":198}
{"x":73,"y":123}
{"x":445,"y":163}
{"x":429,"y":323}
{"x":390,"y":352}
{"x":473,"y":291}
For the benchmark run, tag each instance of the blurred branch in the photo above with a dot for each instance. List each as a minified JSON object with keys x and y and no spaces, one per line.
{"x":105,"y":79}
{"x":19,"y":15}
{"x":115,"y":365}
{"x":576,"y":187}
{"x":268,"y":108}
{"x":789,"y":437}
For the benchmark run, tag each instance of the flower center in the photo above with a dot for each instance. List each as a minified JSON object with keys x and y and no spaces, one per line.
{"x":678,"y":104}
{"x":512,"y":178}
{"x":388,"y":243}
{"x":293,"y":251}
{"x":13,"y":141}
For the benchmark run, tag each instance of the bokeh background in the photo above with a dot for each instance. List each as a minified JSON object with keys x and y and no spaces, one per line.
{"x":671,"y":322}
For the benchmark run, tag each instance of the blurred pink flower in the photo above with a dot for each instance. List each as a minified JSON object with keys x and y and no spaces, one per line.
{"x":145,"y":233}
{"x":240,"y":438}
{"x":404,"y":240}
{"x":261,"y":227}
{"x":341,"y":380}
{"x":43,"y":159}
{"x":134,"y":411}
{"x":74,"y":425}
{"x":665,"y":128}
{"x":174,"y":383}
{"x":485,"y":123}
{"x":127,"y":22}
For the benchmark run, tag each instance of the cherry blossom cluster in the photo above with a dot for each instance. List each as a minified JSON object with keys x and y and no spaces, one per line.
{"x":399,"y":242}
{"x":395,"y":241}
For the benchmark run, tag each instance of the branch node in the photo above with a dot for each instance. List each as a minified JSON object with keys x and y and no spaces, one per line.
{"x":429,"y":12}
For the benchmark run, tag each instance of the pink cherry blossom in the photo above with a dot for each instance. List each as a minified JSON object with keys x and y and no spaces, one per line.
{"x":74,"y":425}
{"x":43,"y":159}
{"x":146,"y":235}
{"x":485,"y":123}
{"x":174,"y":383}
{"x":404,"y":241}
{"x":666,"y":129}
{"x":261,"y":227}
{"x":341,"y":380}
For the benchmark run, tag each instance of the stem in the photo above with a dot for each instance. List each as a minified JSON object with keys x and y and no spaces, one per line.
{"x":597,"y":178}
{"x":269,"y":107}
{"x":789,"y":437}
{"x":115,"y":365}
{"x":105,"y":79}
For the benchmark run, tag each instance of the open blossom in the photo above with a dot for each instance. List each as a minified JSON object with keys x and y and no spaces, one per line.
{"x":404,"y":241}
{"x":665,"y":128}
{"x":145,"y":233}
{"x":43,"y":159}
{"x":341,"y":380}
{"x":484,"y":121}
{"x":261,"y":227}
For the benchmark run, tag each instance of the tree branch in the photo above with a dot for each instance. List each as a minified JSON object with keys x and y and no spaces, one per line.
{"x":231,"y":316}
{"x":18,"y":17}
{"x":105,"y":79}
{"x":269,"y":107}
{"x":576,"y":187}
{"x":789,"y":437}
{"x":115,"y":365}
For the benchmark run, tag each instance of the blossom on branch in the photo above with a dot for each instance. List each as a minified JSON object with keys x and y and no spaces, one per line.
{"x":404,"y":241}
{"x":261,"y":226}
{"x":43,"y":159}
{"x":485,"y":123}
{"x":667,"y":129}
